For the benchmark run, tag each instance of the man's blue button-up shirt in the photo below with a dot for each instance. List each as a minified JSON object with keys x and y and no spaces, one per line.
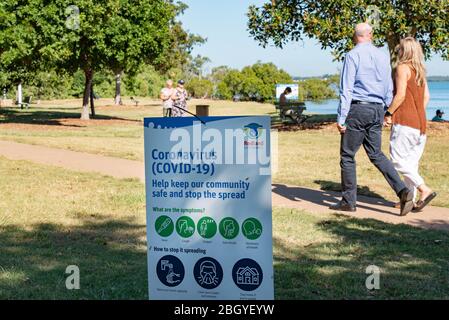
{"x":366,"y":76}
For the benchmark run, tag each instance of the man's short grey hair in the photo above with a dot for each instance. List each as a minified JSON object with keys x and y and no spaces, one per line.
{"x":363,"y":29}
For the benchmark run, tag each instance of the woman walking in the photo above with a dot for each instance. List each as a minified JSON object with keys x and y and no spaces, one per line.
{"x":407,"y":113}
{"x":179,"y":98}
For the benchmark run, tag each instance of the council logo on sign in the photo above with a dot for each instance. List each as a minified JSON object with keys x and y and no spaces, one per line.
{"x":254,"y":135}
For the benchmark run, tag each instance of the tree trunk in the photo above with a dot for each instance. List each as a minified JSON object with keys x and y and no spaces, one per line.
{"x":92,"y":106}
{"x":393,"y":41}
{"x":88,"y":74}
{"x":118,"y":89}
{"x":19,"y":94}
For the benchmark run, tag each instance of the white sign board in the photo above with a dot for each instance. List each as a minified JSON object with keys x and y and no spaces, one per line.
{"x":209,"y":225}
{"x":280,"y":88}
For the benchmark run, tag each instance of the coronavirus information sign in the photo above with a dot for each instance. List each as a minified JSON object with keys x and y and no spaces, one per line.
{"x":209,"y":217}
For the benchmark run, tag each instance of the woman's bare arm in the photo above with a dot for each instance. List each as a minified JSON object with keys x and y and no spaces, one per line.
{"x":402,"y":76}
{"x":426,"y":94}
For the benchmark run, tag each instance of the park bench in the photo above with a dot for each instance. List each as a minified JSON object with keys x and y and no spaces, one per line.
{"x":25,"y":103}
{"x":292,"y":111}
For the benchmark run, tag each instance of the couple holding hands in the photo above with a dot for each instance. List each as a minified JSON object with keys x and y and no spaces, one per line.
{"x":366,"y":87}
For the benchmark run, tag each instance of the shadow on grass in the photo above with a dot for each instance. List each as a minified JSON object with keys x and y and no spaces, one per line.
{"x":110,"y":254}
{"x":326,"y":197}
{"x":45,"y":117}
{"x":413,"y":262}
{"x":112,"y":260}
{"x":334,"y":186}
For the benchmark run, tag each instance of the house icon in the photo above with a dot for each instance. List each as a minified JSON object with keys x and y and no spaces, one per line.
{"x":248,"y":276}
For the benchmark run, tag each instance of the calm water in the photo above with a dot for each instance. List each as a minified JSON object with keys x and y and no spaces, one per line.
{"x":439,"y":99}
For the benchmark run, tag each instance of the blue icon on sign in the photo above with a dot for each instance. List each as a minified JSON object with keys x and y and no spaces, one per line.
{"x":208,"y":273}
{"x":253,"y":130}
{"x":170,"y":271}
{"x":247,"y":274}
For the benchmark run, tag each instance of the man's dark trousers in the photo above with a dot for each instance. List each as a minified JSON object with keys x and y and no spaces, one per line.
{"x":364,"y":127}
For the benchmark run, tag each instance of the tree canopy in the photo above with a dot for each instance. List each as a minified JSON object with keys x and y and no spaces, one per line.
{"x":92,"y":35}
{"x":256,"y":82}
{"x":332,"y":22}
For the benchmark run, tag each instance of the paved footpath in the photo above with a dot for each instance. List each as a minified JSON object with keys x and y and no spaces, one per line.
{"x":315,"y":201}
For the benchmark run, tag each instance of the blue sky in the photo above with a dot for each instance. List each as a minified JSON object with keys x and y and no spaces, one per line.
{"x":223,"y":23}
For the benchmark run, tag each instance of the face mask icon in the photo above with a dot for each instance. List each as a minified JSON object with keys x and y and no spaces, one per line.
{"x":208,"y":273}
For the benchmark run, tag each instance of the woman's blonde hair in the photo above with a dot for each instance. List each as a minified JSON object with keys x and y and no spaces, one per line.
{"x":410,"y":52}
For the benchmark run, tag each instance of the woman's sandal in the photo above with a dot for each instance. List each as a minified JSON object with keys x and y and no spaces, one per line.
{"x":421,"y":204}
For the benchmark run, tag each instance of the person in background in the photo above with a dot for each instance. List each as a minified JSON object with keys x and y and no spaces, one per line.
{"x":166,"y":97}
{"x":407,"y":113}
{"x":179,"y":98}
{"x":366,"y":87}
{"x":283,"y":97}
{"x":439,"y":117}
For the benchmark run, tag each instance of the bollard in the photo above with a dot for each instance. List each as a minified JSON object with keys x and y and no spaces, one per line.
{"x":202,"y":110}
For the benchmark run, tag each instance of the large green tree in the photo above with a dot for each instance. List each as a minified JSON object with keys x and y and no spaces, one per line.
{"x":181,"y":44}
{"x":19,"y":39}
{"x":255,"y":83}
{"x":117,"y":34}
{"x":147,"y":32}
{"x":332,"y":22}
{"x":135,"y":33}
{"x":90,"y":35}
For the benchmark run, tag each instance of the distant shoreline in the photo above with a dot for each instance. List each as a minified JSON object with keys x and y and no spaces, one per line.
{"x":430,"y":78}
{"x":438,"y":78}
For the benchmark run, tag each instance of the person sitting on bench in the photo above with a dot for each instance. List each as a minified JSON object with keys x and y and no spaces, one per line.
{"x":283,"y":97}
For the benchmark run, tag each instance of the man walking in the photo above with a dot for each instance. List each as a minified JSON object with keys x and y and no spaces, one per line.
{"x":366,"y":86}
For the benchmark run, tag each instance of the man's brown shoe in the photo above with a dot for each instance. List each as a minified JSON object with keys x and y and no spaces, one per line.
{"x":407,"y":204}
{"x":343,"y":207}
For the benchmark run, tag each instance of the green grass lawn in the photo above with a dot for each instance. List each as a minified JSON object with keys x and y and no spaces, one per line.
{"x":98,"y":223}
{"x":308,"y":158}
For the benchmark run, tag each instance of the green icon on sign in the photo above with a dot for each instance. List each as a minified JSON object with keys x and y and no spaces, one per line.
{"x":229,"y":228}
{"x":185,"y":227}
{"x":207,"y":227}
{"x":164,"y":226}
{"x":252,"y":228}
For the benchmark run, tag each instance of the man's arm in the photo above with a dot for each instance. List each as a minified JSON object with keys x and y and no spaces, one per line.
{"x":390,"y":87}
{"x":347,"y":81}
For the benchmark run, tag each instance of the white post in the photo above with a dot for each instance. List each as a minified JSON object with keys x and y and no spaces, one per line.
{"x":19,"y":94}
